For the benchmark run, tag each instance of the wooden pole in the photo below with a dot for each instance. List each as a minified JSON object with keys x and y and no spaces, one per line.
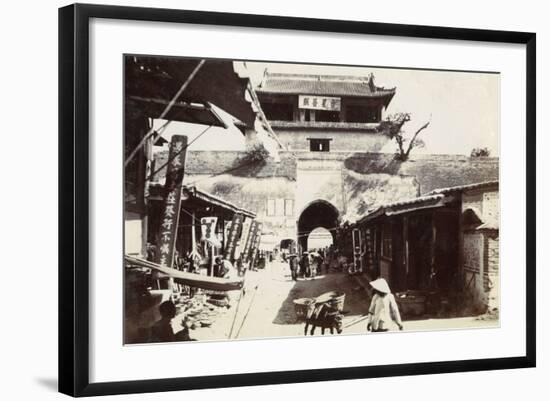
{"x":241,"y":296}
{"x":406,"y":244}
{"x":355,"y":321}
{"x":211,"y":260}
{"x":247,"y":311}
{"x":433,"y":247}
{"x":164,"y":112}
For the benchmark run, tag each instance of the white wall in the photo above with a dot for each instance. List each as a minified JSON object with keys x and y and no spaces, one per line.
{"x":28,"y":74}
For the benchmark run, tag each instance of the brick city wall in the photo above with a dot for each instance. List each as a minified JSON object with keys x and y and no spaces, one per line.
{"x":341,"y":140}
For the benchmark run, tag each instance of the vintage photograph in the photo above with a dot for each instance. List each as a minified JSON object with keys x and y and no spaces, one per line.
{"x":273,"y":199}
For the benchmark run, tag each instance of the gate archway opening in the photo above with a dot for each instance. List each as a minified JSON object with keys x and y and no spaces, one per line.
{"x":319,"y":238}
{"x":319,"y":213}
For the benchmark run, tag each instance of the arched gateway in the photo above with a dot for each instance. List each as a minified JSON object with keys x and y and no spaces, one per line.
{"x":318,"y":213}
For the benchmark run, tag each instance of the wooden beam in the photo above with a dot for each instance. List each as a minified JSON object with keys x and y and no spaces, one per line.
{"x":406,"y":244}
{"x":433,"y":245}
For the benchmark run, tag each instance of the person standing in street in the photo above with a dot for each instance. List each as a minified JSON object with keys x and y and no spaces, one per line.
{"x":383,"y":308}
{"x":293,"y":264}
{"x":304,"y":265}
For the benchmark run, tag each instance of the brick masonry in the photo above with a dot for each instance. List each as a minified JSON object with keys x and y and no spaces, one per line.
{"x":481,"y":251}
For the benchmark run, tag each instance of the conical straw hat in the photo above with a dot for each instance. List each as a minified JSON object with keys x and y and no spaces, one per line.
{"x":381,"y":285}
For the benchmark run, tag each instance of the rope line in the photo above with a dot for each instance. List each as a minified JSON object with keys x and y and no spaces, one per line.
{"x":177,"y":154}
{"x":165,"y":111}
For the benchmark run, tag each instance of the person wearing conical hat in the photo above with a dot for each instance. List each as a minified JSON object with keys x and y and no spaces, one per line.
{"x":383,"y":308}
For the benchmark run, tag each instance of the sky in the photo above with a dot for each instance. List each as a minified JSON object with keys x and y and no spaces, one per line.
{"x":462,"y":107}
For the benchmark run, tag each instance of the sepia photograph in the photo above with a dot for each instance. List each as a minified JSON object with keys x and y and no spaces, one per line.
{"x":265,"y":199}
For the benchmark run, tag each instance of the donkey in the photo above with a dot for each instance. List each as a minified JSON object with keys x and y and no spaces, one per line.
{"x":325,"y":316}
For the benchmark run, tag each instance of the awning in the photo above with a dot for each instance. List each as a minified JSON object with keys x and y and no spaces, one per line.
{"x":155,"y":77}
{"x":196,"y":112}
{"x":406,"y":206}
{"x":205,"y":196}
{"x":191,"y":191}
{"x":190,"y":279}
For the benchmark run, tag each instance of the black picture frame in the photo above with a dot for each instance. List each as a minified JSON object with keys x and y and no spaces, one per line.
{"x":74,"y":194}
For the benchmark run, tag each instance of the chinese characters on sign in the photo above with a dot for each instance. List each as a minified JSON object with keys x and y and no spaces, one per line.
{"x":233,"y":236}
{"x":249,"y":239}
{"x":208,"y":229}
{"x":319,"y":102}
{"x":172,"y":200}
{"x":255,"y":240}
{"x":357,"y":248}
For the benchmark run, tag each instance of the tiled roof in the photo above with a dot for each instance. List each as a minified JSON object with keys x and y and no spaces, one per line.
{"x":460,"y":188}
{"x":327,"y":85}
{"x":421,"y":202}
{"x":156,"y":188}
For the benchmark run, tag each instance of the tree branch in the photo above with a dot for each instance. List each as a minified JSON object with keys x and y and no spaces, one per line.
{"x":411,"y":143}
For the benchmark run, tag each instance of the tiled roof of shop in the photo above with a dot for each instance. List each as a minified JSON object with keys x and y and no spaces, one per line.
{"x":157,"y":188}
{"x":328,"y":85}
{"x":420,"y":202}
{"x":460,"y":188}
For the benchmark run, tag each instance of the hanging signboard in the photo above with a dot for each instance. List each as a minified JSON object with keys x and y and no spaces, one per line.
{"x":172,"y":201}
{"x":246,"y":238}
{"x":233,"y":236}
{"x":357,"y":248}
{"x":255,"y":227}
{"x":208,"y":230}
{"x":255,"y":243}
{"x":319,"y":103}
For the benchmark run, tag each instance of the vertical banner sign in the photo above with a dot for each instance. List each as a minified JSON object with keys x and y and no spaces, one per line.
{"x":255,"y":243}
{"x":357,"y":248}
{"x":233,"y":237}
{"x":241,"y":243}
{"x":245,"y":249}
{"x":172,"y":200}
{"x":208,"y":230}
{"x":250,"y":240}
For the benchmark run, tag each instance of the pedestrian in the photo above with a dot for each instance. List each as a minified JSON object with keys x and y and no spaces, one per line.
{"x":293,"y":264}
{"x":314,"y":264}
{"x":163,"y":331}
{"x":383,"y":308}
{"x":304,"y":265}
{"x":224,"y":268}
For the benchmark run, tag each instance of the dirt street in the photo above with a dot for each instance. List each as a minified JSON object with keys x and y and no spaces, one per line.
{"x":266,"y":310}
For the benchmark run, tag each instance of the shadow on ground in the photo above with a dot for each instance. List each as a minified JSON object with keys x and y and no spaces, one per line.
{"x":355,"y":303}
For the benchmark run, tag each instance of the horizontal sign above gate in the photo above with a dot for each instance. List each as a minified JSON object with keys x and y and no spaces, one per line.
{"x":319,"y":102}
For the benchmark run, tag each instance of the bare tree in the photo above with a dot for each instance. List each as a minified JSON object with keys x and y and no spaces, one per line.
{"x":394,"y":124}
{"x":480,"y":152}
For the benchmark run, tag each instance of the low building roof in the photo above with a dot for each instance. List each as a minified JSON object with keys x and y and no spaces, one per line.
{"x":487,"y":185}
{"x":436,"y":198}
{"x":152,"y":81}
{"x":407,"y":205}
{"x":206,"y":197}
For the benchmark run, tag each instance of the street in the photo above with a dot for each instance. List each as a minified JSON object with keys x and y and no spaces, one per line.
{"x":266,"y":309}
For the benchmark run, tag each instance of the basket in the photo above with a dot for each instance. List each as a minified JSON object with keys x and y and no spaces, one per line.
{"x":411,"y":303}
{"x":301,"y":306}
{"x":338,"y":297}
